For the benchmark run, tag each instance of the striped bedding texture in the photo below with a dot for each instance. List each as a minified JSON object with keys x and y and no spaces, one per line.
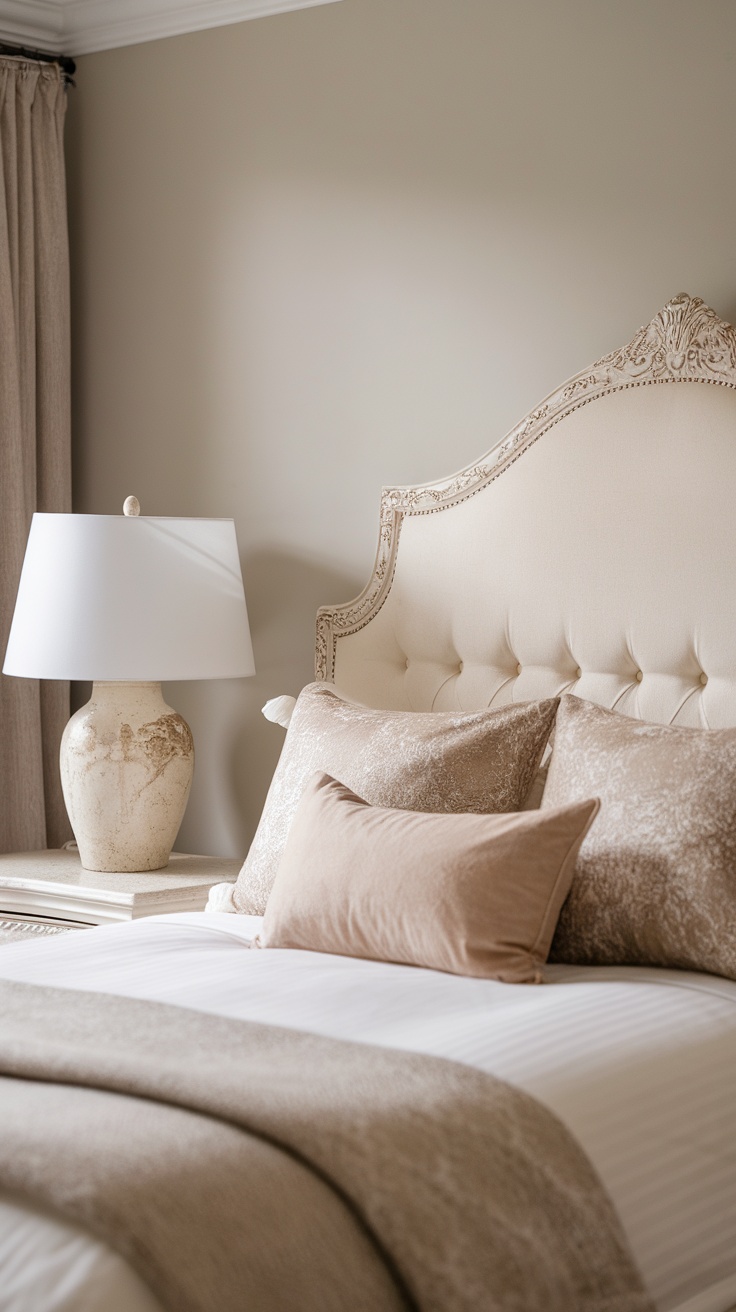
{"x":638,"y":1063}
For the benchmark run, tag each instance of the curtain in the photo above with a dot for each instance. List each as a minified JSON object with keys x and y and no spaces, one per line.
{"x":35,"y":442}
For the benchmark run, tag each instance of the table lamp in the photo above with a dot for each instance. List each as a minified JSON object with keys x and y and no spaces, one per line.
{"x":127,"y":601}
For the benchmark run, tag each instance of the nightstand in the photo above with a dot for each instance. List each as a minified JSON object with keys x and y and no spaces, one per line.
{"x":49,"y":892}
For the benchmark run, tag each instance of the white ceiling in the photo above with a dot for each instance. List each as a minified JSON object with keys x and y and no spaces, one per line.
{"x":77,"y":27}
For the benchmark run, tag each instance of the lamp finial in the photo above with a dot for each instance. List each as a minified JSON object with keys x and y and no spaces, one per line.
{"x":131,"y":506}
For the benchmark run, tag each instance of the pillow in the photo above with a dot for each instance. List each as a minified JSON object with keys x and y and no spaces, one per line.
{"x":655,"y":882}
{"x":536,"y":792}
{"x":279,"y":710}
{"x":470,"y":894}
{"x":417,"y":761}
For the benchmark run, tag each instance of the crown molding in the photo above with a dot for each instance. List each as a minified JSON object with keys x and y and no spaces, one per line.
{"x":35,"y":23}
{"x":80,"y":27}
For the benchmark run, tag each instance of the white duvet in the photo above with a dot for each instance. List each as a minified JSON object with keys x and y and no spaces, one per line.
{"x":640,"y":1064}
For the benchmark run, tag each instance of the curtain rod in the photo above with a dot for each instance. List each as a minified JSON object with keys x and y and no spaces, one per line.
{"x":66,"y":64}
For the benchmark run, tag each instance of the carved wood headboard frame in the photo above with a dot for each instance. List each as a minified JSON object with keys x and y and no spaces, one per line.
{"x":685,"y":342}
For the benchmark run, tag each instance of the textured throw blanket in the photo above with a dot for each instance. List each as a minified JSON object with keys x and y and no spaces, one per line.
{"x":240,"y":1166}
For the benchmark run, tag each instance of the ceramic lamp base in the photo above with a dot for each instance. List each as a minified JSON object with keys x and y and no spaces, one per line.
{"x":127,"y":761}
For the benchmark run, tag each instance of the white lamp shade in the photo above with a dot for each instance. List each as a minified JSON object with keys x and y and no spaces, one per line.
{"x":108,"y":597}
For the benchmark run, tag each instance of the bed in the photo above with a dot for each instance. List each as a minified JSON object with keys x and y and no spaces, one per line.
{"x":590,"y":552}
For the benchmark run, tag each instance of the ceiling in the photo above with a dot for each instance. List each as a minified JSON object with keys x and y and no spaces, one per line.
{"x":77,"y":27}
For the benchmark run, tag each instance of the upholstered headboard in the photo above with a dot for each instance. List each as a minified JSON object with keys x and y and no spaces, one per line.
{"x":592,"y":550}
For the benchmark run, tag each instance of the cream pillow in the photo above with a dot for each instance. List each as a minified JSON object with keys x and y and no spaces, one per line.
{"x":417,"y":761}
{"x":655,"y":882}
{"x":470,"y":894}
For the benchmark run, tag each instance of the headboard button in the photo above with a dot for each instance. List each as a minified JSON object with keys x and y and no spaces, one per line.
{"x":578,"y":673}
{"x":518,"y":668}
{"x":704,"y":679}
{"x":639,"y":676}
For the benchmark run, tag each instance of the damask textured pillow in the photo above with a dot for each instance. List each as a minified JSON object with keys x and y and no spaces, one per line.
{"x":655,"y":880}
{"x":413,"y":760}
{"x":470,"y":894}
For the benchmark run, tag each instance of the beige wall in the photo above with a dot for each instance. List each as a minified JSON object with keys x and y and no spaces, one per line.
{"x":351,"y":245}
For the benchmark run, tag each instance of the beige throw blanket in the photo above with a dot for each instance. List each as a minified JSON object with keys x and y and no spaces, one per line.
{"x":240,"y":1166}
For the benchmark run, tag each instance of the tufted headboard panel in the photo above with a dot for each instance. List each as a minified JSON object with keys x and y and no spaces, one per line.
{"x":593,"y":550}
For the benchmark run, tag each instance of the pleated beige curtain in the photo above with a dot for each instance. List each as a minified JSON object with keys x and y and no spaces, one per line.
{"x":35,"y":457}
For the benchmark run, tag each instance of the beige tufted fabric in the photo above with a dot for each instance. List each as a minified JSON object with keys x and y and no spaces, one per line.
{"x":596,"y":553}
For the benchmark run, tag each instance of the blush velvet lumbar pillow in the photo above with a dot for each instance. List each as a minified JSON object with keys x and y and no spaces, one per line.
{"x":435,"y":761}
{"x":469,"y":894}
{"x":655,"y":882}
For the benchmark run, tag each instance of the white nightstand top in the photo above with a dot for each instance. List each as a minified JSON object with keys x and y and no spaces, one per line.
{"x":53,"y":884}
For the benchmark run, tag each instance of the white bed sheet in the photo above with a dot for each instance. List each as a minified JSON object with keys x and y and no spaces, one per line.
{"x":640,"y":1064}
